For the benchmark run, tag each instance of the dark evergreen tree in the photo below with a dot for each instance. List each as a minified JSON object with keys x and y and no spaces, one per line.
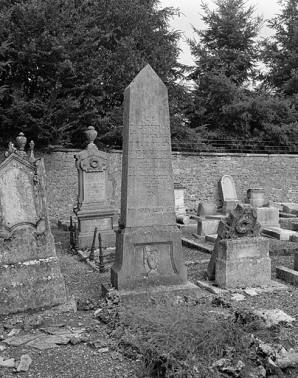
{"x":280,"y":52}
{"x":64,"y":65}
{"x":225,"y":56}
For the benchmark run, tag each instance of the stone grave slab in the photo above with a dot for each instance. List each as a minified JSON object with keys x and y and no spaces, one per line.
{"x":278,"y":233}
{"x":287,"y":274}
{"x":148,"y":242}
{"x":290,"y":208}
{"x":289,"y":223}
{"x":30,"y":276}
{"x":93,"y":208}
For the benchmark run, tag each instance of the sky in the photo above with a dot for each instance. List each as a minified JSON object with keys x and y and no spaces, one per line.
{"x":190,"y":15}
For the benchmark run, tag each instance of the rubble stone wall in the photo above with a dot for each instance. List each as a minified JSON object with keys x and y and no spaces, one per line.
{"x":199,"y":173}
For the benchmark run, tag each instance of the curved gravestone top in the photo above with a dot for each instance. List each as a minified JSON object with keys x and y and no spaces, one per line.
{"x":227,"y":189}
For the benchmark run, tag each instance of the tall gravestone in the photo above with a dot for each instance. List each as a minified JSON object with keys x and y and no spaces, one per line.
{"x":93,"y":209}
{"x":30,"y":276}
{"x":148,"y":242}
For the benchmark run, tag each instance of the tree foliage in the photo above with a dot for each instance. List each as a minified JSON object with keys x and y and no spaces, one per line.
{"x":65,"y":64}
{"x":280,"y":52}
{"x":225,"y":57}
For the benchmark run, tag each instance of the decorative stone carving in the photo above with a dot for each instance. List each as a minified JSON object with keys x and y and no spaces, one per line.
{"x":93,"y":207}
{"x":242,"y":222}
{"x":30,"y":276}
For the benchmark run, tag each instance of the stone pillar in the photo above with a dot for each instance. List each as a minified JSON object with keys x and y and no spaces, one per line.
{"x":93,"y":207}
{"x":148,"y":246}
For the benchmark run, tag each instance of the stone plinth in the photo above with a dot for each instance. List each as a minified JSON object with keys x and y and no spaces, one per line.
{"x":152,"y":258}
{"x":93,"y":209}
{"x":148,"y":243}
{"x":243,"y":262}
{"x":207,"y":226}
{"x":255,"y":197}
{"x":268,"y":216}
{"x":30,"y":276}
{"x":278,"y":233}
{"x":229,"y":206}
{"x":205,"y":209}
{"x":290,"y":208}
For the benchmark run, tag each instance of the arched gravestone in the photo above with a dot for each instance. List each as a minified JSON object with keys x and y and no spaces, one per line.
{"x":148,"y":242}
{"x":228,"y":195}
{"x":30,"y":276}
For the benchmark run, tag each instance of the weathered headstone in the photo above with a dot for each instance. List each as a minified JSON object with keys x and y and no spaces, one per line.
{"x":227,"y":191}
{"x":30,"y":276}
{"x":148,"y":242}
{"x":93,"y":207}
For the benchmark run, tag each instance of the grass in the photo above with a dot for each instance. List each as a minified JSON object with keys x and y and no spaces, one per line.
{"x":178,"y":339}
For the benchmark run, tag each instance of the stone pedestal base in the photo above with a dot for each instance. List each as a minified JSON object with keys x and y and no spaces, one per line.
{"x":32,"y":284}
{"x":229,"y":206}
{"x":147,"y":294}
{"x":243,"y":262}
{"x":105,"y":221}
{"x":148,"y":257}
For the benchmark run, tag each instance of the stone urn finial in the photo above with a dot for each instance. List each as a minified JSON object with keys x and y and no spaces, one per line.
{"x":21,"y":143}
{"x":91,"y":134}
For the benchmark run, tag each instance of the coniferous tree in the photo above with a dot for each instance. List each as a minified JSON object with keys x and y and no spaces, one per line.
{"x":64,"y":65}
{"x":225,"y":57}
{"x":280,"y":52}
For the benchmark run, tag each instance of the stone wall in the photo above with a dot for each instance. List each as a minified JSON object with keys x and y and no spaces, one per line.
{"x":277,"y":174}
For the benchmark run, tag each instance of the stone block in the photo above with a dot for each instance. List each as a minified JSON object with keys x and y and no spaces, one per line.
{"x":229,"y":206}
{"x":153,"y":258}
{"x":205,"y":209}
{"x":243,"y":262}
{"x":289,"y":224}
{"x":145,"y":294}
{"x":287,"y":274}
{"x":296,"y":261}
{"x":207,"y":226}
{"x":31,"y":285}
{"x":268,"y":216}
{"x":211,"y":238}
{"x":290,"y":208}
{"x":255,"y":197}
{"x":278,"y":233}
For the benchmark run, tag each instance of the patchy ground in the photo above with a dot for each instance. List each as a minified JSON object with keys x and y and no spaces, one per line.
{"x":96,"y":351}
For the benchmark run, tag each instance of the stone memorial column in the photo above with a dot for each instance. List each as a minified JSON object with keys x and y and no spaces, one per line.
{"x":148,"y":242}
